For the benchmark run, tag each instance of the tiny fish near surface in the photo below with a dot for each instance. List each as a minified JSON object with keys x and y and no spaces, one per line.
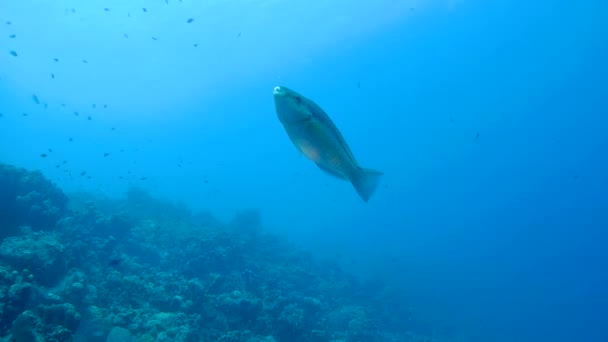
{"x":317,"y":137}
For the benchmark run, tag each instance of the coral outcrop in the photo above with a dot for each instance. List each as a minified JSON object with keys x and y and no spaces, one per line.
{"x":28,"y":199}
{"x":146,"y":270}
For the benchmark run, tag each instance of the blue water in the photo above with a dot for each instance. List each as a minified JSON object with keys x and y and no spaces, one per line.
{"x":488,"y":118}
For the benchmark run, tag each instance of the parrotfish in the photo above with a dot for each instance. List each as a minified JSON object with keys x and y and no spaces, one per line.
{"x":317,"y":137}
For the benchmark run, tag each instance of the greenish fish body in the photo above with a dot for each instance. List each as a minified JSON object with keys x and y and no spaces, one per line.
{"x":317,"y":137}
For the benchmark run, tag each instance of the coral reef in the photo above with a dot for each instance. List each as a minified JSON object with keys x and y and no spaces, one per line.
{"x":146,"y":270}
{"x":28,"y":199}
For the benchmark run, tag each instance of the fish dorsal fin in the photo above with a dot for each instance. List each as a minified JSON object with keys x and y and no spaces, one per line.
{"x":330,"y":171}
{"x":323,"y":117}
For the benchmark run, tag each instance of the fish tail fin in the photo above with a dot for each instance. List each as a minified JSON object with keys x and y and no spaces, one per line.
{"x":365,"y":182}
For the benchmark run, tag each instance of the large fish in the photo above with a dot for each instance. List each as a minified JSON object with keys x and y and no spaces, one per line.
{"x":316,"y":136}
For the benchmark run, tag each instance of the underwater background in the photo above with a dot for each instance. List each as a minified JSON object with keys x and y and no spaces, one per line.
{"x":171,"y":205}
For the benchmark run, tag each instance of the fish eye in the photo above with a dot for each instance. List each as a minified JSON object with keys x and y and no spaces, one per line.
{"x":298,"y":99}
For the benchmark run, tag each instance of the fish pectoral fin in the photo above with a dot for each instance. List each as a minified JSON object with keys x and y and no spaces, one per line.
{"x":330,"y":171}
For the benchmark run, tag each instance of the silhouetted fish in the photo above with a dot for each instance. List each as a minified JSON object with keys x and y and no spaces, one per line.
{"x":13,"y":53}
{"x":35,"y":99}
{"x":114,"y":262}
{"x":190,"y":20}
{"x":12,"y":36}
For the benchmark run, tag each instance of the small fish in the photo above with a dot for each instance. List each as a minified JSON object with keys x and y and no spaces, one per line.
{"x":85,"y":61}
{"x":1,"y":115}
{"x":43,"y":155}
{"x":35,"y":99}
{"x":114,"y":262}
{"x":106,"y":154}
{"x":154,"y":38}
{"x":143,"y":178}
{"x":238,"y":35}
{"x":195,"y":45}
{"x":13,"y":53}
{"x":73,"y":10}
{"x":144,"y":9}
{"x":70,"y":139}
{"x":89,"y":118}
{"x":106,"y":9}
{"x":105,"y":106}
{"x":13,"y":36}
{"x":46,"y":106}
{"x":477,"y":136}
{"x":53,"y":76}
{"x":317,"y":137}
{"x":8,"y":23}
{"x":50,"y":150}
{"x":56,"y":59}
{"x":125,"y":35}
{"x":83,"y":173}
{"x":94,"y":105}
{"x":190,"y":20}
{"x":76,"y":113}
{"x":23,"y":114}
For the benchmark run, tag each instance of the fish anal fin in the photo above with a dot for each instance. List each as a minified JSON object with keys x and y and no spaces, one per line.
{"x":330,"y":171}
